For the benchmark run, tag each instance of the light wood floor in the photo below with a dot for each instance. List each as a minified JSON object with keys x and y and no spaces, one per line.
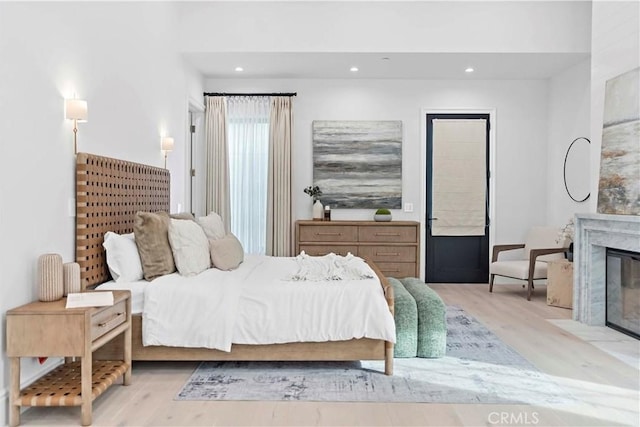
{"x":606,"y":387}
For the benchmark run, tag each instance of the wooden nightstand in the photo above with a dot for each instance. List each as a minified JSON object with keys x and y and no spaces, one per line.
{"x":49,"y":329}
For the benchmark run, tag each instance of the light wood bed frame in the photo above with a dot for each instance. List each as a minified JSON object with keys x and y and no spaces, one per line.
{"x":108,"y":194}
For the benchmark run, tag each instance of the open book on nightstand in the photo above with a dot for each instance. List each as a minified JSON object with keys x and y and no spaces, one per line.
{"x":89,"y":299}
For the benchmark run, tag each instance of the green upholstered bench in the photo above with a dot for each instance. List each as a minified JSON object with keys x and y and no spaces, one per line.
{"x":406,"y":318}
{"x":432,"y":323}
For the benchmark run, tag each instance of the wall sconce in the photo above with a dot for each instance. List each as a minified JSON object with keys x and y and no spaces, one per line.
{"x":167,"y":145}
{"x":76,"y":110}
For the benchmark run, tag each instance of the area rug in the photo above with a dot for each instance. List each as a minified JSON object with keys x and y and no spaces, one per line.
{"x":478,"y":368}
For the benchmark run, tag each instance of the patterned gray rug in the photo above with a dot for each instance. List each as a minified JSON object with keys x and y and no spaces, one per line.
{"x":478,"y":368}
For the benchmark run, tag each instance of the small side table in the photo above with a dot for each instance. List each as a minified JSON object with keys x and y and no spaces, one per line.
{"x":49,"y":329}
{"x":560,"y":283}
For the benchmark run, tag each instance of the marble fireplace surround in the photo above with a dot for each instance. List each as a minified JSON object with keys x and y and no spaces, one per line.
{"x":594,"y":233}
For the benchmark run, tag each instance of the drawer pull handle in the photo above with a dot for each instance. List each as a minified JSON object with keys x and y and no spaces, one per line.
{"x":388,"y":234}
{"x":113,"y":319}
{"x":392,"y":271}
{"x":387,"y":253}
{"x":328,"y":234}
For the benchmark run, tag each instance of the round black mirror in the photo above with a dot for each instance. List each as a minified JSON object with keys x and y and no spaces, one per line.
{"x":576,"y":169}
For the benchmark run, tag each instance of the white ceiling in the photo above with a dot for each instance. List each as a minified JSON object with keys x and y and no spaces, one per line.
{"x":440,"y":66}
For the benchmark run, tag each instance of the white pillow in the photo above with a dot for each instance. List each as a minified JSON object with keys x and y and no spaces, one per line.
{"x":123,"y":258}
{"x":213,"y":226}
{"x":190,"y":247}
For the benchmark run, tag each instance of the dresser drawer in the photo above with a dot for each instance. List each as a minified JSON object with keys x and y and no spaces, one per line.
{"x":320,"y":250}
{"x":328,"y":233}
{"x":388,"y":233}
{"x":388,"y":253}
{"x":397,"y":269}
{"x":107,"y":319}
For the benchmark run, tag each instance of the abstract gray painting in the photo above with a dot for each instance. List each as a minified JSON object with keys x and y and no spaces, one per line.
{"x":358,"y":164}
{"x":619,"y":186}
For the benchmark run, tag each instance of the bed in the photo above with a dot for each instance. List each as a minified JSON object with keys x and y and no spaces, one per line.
{"x":108,"y":194}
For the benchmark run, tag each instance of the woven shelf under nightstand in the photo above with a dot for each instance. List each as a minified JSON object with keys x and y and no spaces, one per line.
{"x":61,"y":387}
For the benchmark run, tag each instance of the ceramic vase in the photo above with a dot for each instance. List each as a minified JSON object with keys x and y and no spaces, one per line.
{"x":318,"y":210}
{"x":382,"y":217}
{"x":50,"y":277}
{"x":71,"y":274}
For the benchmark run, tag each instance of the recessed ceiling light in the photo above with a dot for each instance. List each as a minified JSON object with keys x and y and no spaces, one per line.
{"x":239,"y":69}
{"x":353,"y":69}
{"x":385,"y":58}
{"x":469,"y":70}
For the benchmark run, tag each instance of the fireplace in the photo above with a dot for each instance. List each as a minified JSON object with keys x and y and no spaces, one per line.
{"x":594,"y":234}
{"x":623,"y":291}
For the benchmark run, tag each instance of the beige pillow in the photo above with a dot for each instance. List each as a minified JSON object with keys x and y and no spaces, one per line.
{"x":183,"y":215}
{"x":152,"y":237}
{"x":226,"y":253}
{"x":190,"y":247}
{"x":212,"y":225}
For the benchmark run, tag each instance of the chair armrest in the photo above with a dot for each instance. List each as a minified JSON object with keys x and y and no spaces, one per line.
{"x":500,"y":248}
{"x":535,"y":253}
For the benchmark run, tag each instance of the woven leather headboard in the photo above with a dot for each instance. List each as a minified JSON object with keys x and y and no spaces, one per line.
{"x":109,"y":192}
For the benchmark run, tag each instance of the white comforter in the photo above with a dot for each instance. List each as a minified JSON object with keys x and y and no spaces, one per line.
{"x":258,"y":303}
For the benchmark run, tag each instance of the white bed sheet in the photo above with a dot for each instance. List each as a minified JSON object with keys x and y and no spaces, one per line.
{"x":194,"y":311}
{"x":137,"y":292}
{"x":257,"y":304}
{"x":273,"y":310}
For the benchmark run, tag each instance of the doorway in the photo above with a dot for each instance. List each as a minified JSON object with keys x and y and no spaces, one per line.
{"x":197,"y":160}
{"x":457,"y":197}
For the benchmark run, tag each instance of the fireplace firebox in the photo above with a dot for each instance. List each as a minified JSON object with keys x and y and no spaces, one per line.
{"x":623,"y":291}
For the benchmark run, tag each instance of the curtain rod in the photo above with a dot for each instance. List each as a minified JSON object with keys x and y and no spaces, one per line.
{"x":249,"y":94}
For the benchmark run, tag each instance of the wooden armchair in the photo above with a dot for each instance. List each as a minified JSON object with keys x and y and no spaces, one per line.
{"x":539,"y":248}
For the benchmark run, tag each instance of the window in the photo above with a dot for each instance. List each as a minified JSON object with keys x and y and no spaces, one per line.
{"x":248,"y":139}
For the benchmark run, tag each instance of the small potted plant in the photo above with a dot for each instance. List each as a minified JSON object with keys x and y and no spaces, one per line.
{"x":382,"y":215}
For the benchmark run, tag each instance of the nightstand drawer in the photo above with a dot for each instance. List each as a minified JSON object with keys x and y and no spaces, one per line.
{"x":382,"y":233}
{"x":388,"y":253}
{"x":328,"y":233}
{"x":107,"y":319}
{"x":320,"y":250}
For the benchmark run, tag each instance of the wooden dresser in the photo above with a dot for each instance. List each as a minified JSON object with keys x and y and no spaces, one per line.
{"x":394,"y":246}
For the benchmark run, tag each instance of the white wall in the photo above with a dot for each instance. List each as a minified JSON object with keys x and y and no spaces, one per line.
{"x":121,"y":58}
{"x":568,"y":115}
{"x":521,"y":137}
{"x":615,"y":49}
{"x":391,"y":26}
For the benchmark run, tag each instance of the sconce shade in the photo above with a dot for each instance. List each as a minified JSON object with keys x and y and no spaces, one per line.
{"x":167,"y":143}
{"x":75,"y":109}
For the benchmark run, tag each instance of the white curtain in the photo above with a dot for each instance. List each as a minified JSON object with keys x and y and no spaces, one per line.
{"x":279,"y":185}
{"x":217,"y":186}
{"x":248,"y":132}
